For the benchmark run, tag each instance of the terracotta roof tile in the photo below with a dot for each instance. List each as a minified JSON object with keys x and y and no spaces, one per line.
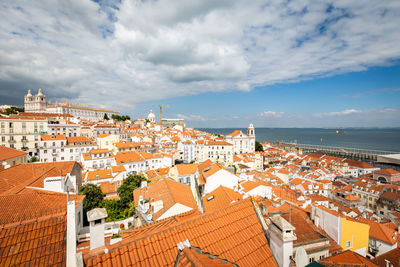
{"x":33,"y":204}
{"x":347,"y":258}
{"x":392,"y":256}
{"x":14,"y":179}
{"x":167,"y":190}
{"x":9,"y":153}
{"x":234,"y":234}
{"x":37,"y":243}
{"x":185,"y":169}
{"x":220,"y":198}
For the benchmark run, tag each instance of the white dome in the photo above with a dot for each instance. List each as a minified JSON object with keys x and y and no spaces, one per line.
{"x":40,"y":92}
{"x":29,"y":93}
{"x":251,"y":125}
{"x":151,"y":117}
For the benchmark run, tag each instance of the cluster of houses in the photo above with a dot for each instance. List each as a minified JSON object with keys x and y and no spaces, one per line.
{"x":207,"y":200}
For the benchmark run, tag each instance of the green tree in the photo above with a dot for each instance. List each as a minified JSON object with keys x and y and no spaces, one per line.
{"x":125,"y":191}
{"x":93,"y":196}
{"x":13,"y":110}
{"x":259,"y":147}
{"x":106,"y":116}
{"x":33,"y":159}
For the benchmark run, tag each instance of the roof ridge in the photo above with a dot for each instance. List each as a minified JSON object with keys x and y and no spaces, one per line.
{"x":179,"y":224}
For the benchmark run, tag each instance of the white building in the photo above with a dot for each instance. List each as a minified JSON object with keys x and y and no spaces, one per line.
{"x":98,"y":159}
{"x":68,"y":129}
{"x":37,"y":103}
{"x":217,"y":151}
{"x":189,"y":151}
{"x":54,"y":148}
{"x":214,"y":176}
{"x":242,"y":143}
{"x":22,"y":133}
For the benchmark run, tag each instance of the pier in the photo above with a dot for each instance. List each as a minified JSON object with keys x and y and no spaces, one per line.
{"x":345,"y":152}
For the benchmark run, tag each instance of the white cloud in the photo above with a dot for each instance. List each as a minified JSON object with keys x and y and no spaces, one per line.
{"x":149,"y":50}
{"x":191,"y":117}
{"x":271,"y":114}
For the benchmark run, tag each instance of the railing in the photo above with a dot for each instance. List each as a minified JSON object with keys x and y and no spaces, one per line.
{"x":344,"y":149}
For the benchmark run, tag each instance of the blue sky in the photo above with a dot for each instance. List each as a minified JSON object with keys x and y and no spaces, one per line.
{"x":299,"y":104}
{"x":220,"y":63}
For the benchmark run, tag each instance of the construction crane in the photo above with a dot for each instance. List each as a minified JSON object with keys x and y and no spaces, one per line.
{"x":160,"y":106}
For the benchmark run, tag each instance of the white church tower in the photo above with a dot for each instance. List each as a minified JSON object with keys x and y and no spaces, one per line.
{"x":151,"y":117}
{"x":36,"y":103}
{"x":252,"y":137}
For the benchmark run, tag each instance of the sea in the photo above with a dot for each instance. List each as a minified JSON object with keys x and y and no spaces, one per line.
{"x":384,"y":139}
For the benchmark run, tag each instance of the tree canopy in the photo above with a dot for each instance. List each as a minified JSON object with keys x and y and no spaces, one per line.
{"x":93,"y":196}
{"x":125,"y":191}
{"x":106,"y":117}
{"x":259,"y":147}
{"x":120,"y":118}
{"x":12,"y":110}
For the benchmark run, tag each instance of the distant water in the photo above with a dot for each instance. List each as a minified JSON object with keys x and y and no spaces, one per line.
{"x":376,"y":139}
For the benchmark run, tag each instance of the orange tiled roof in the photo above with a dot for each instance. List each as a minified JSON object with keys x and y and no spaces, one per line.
{"x":99,"y":174}
{"x":191,"y":256}
{"x":37,"y":243}
{"x":220,"y":198}
{"x":54,"y":137}
{"x":185,"y":169}
{"x":126,"y":157}
{"x":347,"y":258}
{"x":78,"y":139}
{"x":392,"y":256}
{"x":118,"y":168}
{"x":16,"y":178}
{"x":167,"y":190}
{"x":233,"y":233}
{"x":103,"y":135}
{"x":98,"y":151}
{"x":381,"y":232}
{"x":387,"y":171}
{"x":108,"y":188}
{"x":9,"y":153}
{"x":32,"y":204}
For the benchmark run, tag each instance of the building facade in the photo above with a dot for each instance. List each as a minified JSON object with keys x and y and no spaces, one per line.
{"x":37,"y":103}
{"x":243,"y":143}
{"x":22,"y":133}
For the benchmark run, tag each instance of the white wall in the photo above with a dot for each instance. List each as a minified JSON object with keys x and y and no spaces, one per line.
{"x":174,"y":210}
{"x":221,"y":177}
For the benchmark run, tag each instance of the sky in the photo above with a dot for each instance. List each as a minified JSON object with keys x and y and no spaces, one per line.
{"x":216,"y":63}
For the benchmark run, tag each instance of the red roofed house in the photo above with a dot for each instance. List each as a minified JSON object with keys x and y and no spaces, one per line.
{"x":162,"y":199}
{"x":11,"y":157}
{"x":387,"y":176}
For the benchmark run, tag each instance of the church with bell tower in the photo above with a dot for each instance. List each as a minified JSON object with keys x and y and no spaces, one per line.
{"x":35,"y":103}
{"x":243,"y":143}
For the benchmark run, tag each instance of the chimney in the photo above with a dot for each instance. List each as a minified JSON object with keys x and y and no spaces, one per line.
{"x":281,"y":240}
{"x":96,"y":218}
{"x":71,"y":234}
{"x":143,"y":184}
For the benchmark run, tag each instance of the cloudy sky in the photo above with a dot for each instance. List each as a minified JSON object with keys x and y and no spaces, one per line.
{"x":217,"y":63}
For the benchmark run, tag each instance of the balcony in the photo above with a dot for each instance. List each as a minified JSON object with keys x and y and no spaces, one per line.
{"x":24,"y":140}
{"x":12,"y":141}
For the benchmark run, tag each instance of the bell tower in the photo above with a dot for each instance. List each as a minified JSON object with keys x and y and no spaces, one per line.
{"x":35,"y":103}
{"x":252,"y":137}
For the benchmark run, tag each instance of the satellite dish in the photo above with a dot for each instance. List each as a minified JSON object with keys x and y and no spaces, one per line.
{"x":301,"y":257}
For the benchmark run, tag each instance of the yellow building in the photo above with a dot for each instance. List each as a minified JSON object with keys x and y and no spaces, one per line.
{"x":107,"y":141}
{"x":347,"y":232}
{"x":22,"y":133}
{"x":354,"y":235}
